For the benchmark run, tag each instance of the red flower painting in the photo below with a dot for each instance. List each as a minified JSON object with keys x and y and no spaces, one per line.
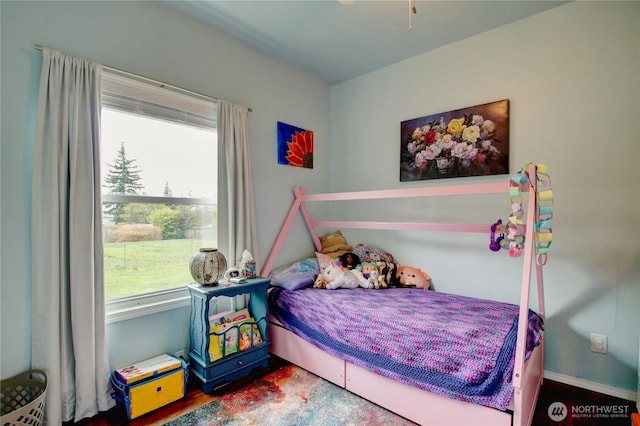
{"x":295,"y":146}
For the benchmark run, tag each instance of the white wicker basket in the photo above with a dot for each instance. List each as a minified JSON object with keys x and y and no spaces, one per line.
{"x":23,"y":399}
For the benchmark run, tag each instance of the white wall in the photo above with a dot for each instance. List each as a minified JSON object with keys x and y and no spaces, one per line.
{"x":572,"y":75}
{"x":150,"y":39}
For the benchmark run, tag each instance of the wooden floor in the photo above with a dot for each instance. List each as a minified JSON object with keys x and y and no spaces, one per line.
{"x":195,"y":398}
{"x":550,"y":392}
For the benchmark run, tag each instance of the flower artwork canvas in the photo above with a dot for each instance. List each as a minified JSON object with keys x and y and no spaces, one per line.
{"x":472,"y":141}
{"x":295,"y":146}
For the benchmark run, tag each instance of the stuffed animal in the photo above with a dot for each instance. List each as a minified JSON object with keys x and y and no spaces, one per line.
{"x":409,"y":276}
{"x":350,"y":261}
{"x":334,"y":244}
{"x":368,"y":267}
{"x":336,"y":277}
{"x":323,"y":261}
{"x":388,"y":273}
{"x":369,"y":254}
{"x":377,"y":280}
{"x":320,"y":282}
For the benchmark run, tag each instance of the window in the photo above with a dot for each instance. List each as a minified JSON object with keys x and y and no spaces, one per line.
{"x":159,"y":193}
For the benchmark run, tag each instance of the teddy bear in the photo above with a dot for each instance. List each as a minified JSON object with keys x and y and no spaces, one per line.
{"x":334,"y":244}
{"x":336,"y":277}
{"x":410,"y":276}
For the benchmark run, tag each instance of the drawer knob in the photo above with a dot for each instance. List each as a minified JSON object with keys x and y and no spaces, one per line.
{"x":240,"y":362}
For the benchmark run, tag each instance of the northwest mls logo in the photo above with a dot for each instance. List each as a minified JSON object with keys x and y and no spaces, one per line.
{"x":557,"y":411}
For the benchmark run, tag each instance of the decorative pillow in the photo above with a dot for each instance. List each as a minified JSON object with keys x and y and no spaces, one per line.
{"x":322,"y":258}
{"x":295,"y":276}
{"x":371,"y":254}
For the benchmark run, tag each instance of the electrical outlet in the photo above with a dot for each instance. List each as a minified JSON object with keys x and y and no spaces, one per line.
{"x":180,"y":354}
{"x":599,"y":343}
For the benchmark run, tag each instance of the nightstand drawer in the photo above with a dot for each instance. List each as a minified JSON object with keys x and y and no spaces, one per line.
{"x":234,"y":362}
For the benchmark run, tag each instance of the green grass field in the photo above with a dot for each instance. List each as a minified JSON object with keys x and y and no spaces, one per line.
{"x":140,"y":267}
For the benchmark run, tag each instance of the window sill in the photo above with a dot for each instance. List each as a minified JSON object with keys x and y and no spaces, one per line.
{"x":127,"y":308}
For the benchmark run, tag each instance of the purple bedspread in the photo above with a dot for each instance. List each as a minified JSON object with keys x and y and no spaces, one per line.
{"x":455,"y":346}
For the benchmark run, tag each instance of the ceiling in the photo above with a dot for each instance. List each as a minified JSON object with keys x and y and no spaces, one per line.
{"x":336,"y":40}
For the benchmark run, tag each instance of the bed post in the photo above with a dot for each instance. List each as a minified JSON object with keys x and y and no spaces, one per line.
{"x":298,"y":204}
{"x":522,"y":412}
{"x":541,"y":310}
{"x":284,"y":230}
{"x":312,"y":230}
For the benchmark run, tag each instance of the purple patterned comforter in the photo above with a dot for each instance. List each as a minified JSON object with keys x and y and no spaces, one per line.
{"x":456,"y":346}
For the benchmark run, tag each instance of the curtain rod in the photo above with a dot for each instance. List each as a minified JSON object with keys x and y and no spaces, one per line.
{"x":153,"y":81}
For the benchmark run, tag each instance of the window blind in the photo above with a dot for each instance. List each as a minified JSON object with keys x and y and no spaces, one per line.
{"x":154,"y":100}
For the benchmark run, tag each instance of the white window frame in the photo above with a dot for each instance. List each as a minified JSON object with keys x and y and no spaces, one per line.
{"x":130,"y":93}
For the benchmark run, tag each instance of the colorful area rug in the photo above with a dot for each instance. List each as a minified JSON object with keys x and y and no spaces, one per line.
{"x":290,"y":396}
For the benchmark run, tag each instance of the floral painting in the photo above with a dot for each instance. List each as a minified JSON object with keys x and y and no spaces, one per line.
{"x":472,"y":141}
{"x":295,"y":146}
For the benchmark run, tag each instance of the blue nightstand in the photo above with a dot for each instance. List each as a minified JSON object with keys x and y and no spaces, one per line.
{"x":204,"y":303}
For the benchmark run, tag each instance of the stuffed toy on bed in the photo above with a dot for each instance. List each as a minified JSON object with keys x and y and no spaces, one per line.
{"x":368,"y":253}
{"x":350,"y":261}
{"x":376,"y":279}
{"x":334,"y":244}
{"x":369,"y":267}
{"x":410,"y":276}
{"x":335,"y":277}
{"x":323,"y":261}
{"x":388,"y":273}
{"x":320,"y":282}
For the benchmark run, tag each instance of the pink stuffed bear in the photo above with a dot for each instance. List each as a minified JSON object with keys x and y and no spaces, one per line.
{"x":409,"y":276}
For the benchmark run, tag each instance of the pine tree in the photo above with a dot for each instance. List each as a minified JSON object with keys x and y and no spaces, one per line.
{"x":123,"y":177}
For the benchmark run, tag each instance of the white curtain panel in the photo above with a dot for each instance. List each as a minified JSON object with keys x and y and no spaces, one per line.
{"x":238,"y":226}
{"x":68,"y":317}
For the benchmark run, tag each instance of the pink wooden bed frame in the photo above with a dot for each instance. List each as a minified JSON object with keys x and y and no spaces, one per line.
{"x":412,"y":403}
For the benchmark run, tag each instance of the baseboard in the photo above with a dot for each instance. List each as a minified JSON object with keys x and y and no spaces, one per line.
{"x":592,"y":386}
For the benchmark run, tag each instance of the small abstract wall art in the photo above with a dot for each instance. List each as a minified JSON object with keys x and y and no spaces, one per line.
{"x":295,"y":146}
{"x":472,"y":141}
